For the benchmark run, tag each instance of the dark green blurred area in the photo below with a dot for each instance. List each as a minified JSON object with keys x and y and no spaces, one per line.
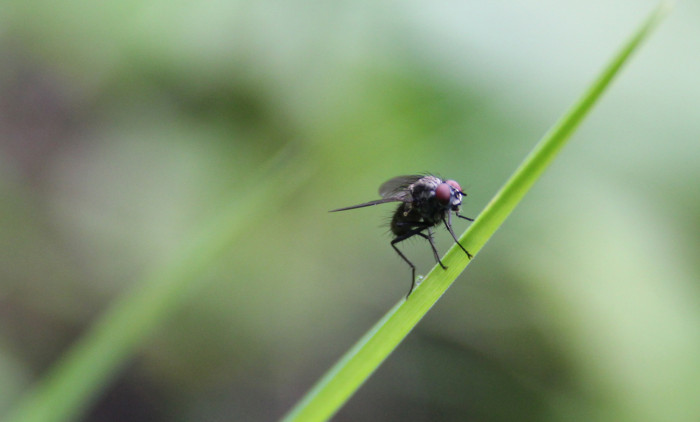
{"x":123,"y":125}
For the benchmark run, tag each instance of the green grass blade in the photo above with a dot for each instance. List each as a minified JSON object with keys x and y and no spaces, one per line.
{"x":346,"y":376}
{"x":95,"y":359}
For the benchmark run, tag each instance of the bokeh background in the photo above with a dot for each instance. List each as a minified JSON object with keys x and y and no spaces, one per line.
{"x":125,"y":124}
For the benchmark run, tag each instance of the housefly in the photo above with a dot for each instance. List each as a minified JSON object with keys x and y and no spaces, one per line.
{"x":425,"y":202}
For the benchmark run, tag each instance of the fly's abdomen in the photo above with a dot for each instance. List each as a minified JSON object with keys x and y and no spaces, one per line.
{"x":405,"y":219}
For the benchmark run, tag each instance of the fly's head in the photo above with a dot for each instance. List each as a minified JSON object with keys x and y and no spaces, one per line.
{"x":449,"y":194}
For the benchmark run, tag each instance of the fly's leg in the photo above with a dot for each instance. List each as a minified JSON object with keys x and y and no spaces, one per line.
{"x":448,"y":224}
{"x":413,"y":267}
{"x":461,"y":216}
{"x":410,"y":233}
{"x":429,"y":238}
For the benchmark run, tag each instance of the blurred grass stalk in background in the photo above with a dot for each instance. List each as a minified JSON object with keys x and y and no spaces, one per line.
{"x":350,"y":372}
{"x":91,"y":364}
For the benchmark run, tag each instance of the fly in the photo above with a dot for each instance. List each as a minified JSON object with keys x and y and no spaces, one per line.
{"x":425,"y":202}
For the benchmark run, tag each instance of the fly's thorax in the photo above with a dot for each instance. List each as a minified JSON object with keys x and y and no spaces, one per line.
{"x":424,"y":188}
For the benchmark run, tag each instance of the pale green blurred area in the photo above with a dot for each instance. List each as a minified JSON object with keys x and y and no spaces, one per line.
{"x":124,"y":124}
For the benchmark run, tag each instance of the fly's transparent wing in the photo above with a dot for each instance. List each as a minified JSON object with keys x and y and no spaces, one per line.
{"x":394,"y":190}
{"x":367,"y":204}
{"x":397,"y":187}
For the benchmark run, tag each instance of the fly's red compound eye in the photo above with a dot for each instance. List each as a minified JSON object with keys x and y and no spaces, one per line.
{"x":455,"y":185}
{"x":443,"y":193}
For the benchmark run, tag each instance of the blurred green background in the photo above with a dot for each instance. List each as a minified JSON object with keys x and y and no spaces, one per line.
{"x":125,"y":124}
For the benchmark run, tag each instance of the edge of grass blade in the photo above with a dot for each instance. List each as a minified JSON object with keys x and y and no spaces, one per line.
{"x":353,"y":369}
